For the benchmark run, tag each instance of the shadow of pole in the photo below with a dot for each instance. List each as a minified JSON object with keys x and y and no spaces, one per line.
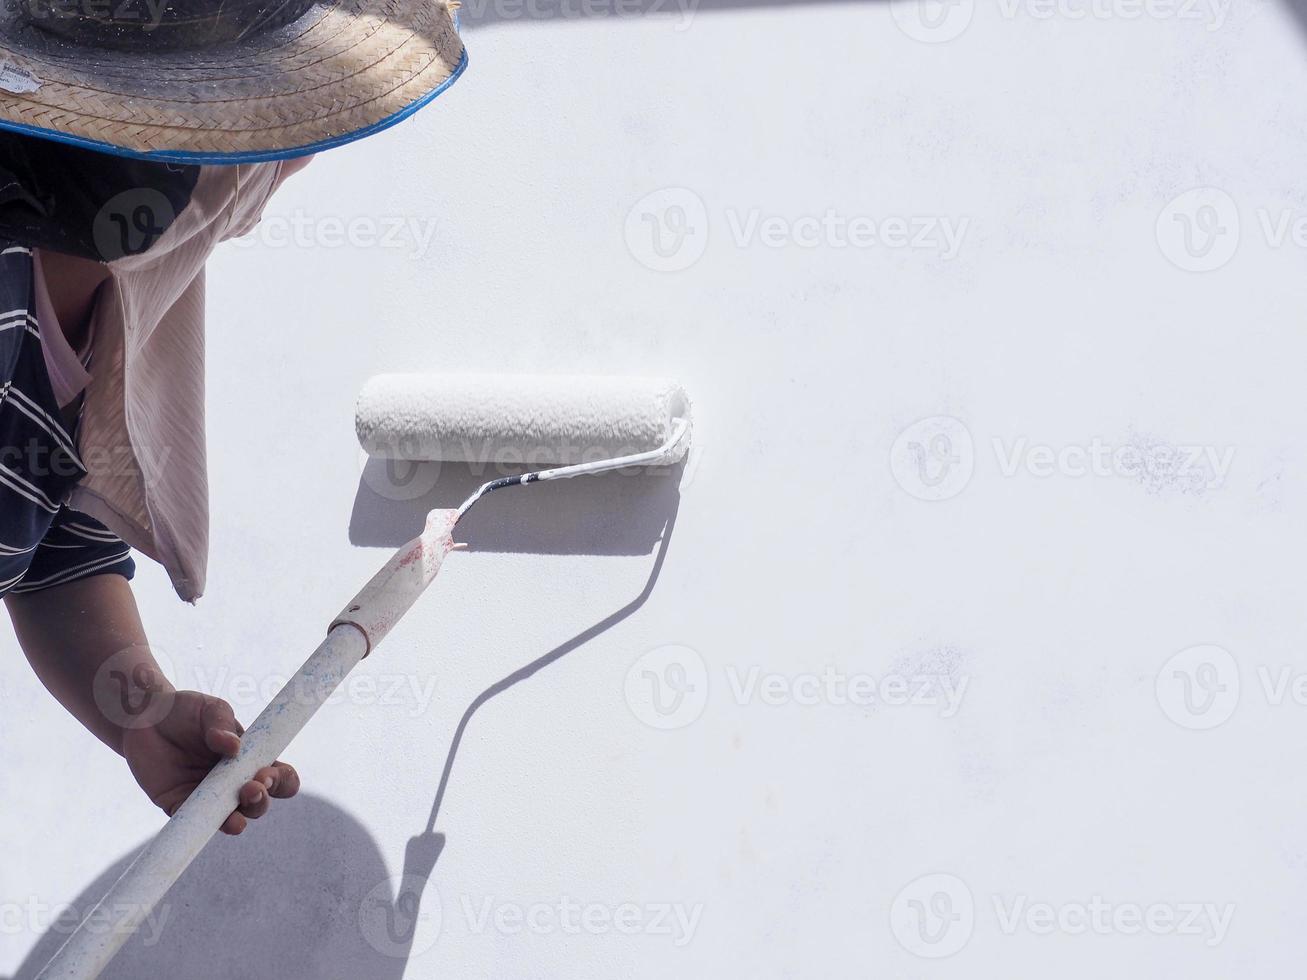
{"x":554,"y":655}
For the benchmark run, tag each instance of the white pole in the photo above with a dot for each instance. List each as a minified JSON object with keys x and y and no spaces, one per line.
{"x":361,"y":626}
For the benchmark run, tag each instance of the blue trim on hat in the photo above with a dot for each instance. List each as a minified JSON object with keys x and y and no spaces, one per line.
{"x":253,"y":156}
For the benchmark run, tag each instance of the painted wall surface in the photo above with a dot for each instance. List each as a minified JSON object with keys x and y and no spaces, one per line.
{"x":968,"y":644}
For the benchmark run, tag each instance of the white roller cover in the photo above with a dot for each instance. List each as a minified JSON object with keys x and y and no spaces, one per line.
{"x":511,"y":419}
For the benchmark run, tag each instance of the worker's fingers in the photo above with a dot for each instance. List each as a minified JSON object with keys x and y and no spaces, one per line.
{"x":234,"y":824}
{"x":222,"y":732}
{"x":280,"y":779}
{"x":253,"y":799}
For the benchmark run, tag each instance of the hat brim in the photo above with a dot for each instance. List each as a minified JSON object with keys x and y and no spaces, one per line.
{"x":336,"y":74}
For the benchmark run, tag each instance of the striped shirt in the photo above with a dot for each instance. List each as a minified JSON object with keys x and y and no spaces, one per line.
{"x":43,"y":542}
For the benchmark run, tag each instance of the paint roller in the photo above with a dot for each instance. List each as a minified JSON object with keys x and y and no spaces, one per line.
{"x":586,"y":425}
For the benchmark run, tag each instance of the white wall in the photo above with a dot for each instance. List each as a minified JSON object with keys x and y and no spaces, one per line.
{"x":1072,"y":772}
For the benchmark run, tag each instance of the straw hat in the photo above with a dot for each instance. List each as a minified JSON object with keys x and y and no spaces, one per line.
{"x":221,"y":81}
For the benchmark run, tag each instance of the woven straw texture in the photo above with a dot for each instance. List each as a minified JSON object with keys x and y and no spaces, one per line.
{"x":332,"y":72}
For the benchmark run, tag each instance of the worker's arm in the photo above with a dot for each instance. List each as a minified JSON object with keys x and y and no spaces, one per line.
{"x":86,"y":643}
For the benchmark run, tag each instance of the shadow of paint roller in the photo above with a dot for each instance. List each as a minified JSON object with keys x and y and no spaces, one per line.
{"x":587,"y":424}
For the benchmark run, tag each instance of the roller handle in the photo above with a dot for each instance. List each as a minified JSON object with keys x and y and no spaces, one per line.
{"x":392,"y":591}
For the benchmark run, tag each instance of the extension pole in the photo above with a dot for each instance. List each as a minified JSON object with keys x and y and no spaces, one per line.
{"x":351,"y":637}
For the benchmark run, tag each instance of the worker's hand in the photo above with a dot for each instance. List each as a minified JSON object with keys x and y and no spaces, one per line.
{"x":170,"y":757}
